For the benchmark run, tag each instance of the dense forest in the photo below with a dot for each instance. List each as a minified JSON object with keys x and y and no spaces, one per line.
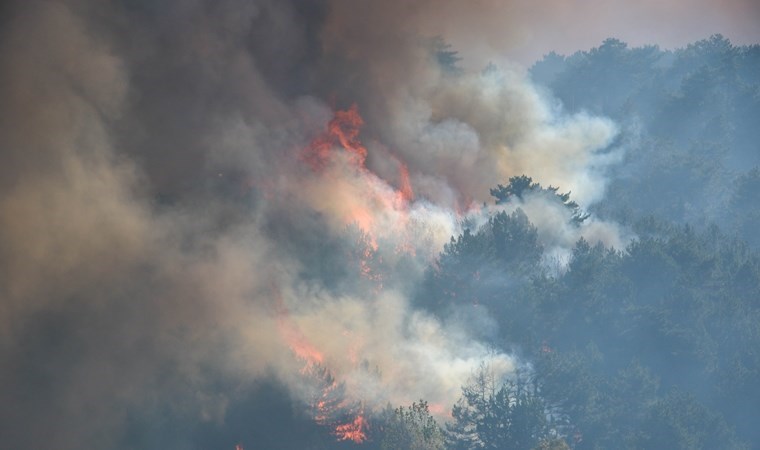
{"x":649,"y":346}
{"x":691,"y":118}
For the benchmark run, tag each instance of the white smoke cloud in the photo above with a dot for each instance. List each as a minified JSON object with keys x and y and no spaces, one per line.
{"x":383,"y":353}
{"x":496,"y":125}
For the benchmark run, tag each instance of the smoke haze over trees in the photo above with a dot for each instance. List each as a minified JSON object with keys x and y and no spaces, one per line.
{"x":321,"y":225}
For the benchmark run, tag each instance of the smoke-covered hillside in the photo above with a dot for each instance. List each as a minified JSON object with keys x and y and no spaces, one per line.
{"x":690,"y":116}
{"x":254,"y":224}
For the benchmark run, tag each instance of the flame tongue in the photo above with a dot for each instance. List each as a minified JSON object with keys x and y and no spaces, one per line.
{"x":366,"y":200}
{"x":353,"y":431}
{"x":342,"y":131}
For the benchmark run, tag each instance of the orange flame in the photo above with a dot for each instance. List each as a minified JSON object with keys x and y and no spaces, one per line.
{"x":343,"y":133}
{"x":342,"y":130}
{"x":355,"y":431}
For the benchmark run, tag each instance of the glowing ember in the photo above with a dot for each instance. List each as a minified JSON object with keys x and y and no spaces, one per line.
{"x":438,"y":409}
{"x":364,"y":219}
{"x":365,"y":266}
{"x":355,"y":431}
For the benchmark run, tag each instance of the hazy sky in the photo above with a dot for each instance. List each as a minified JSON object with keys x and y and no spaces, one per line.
{"x":524,"y":30}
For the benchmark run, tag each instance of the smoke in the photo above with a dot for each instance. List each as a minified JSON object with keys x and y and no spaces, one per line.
{"x":171,"y":229}
{"x":558,"y":233}
{"x":525,"y":30}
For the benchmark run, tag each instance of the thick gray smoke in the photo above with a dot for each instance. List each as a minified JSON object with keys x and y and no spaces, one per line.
{"x":169,"y":231}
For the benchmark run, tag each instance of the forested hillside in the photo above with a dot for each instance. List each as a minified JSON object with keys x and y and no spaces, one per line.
{"x":653,"y":345}
{"x":690,"y":117}
{"x":650,"y":346}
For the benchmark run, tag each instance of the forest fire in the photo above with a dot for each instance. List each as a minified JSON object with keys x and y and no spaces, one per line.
{"x":332,"y":404}
{"x":354,"y":431}
{"x":369,"y":202}
{"x":204,"y":242}
{"x":342,"y":131}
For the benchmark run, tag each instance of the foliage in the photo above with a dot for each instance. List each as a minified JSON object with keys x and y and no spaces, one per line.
{"x":616,"y":332}
{"x":505,"y":248}
{"x":745,"y":203}
{"x":446,"y":58}
{"x":411,"y":428}
{"x":689,"y":120}
{"x":495,"y":415}
{"x":552,"y":444}
{"x":520,"y":187}
{"x":653,"y":346}
{"x":679,"y":421}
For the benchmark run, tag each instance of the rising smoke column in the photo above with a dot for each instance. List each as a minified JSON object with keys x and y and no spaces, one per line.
{"x":190,"y":201}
